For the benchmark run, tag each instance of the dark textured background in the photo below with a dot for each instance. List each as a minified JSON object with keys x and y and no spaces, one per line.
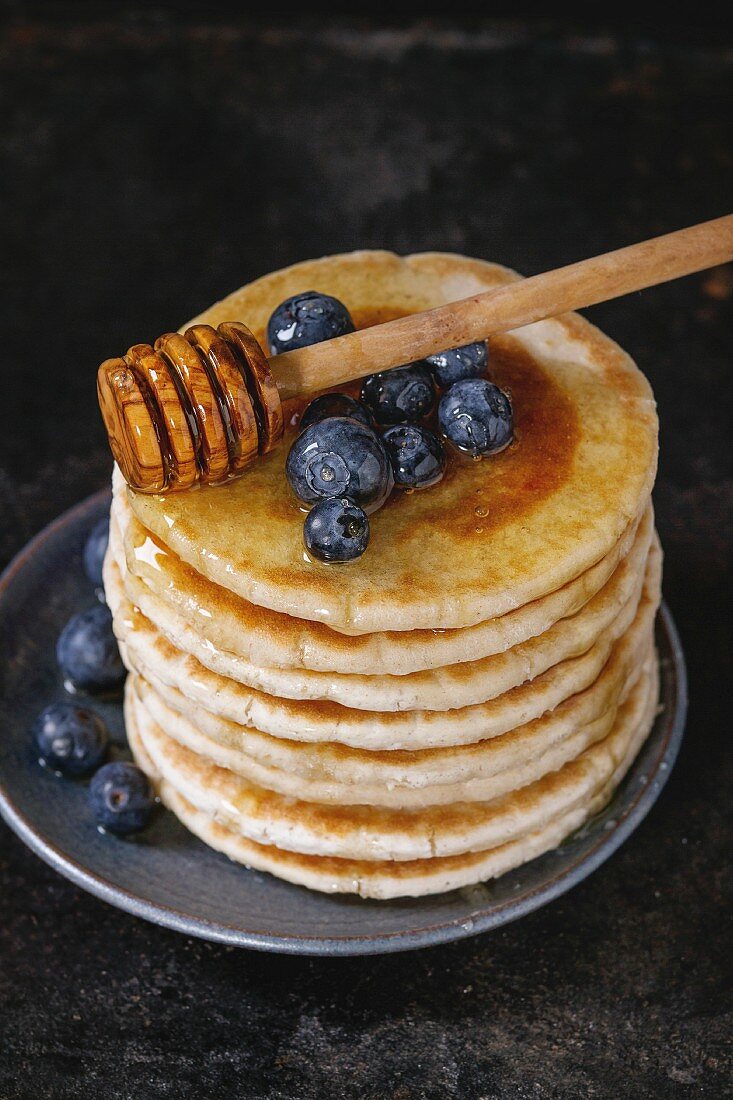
{"x":151,"y":162}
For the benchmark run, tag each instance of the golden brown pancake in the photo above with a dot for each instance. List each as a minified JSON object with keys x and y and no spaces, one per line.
{"x":151,"y":654}
{"x":450,"y":687}
{"x":376,"y":879}
{"x":273,"y":640}
{"x":329,"y":772}
{"x":493,"y":535}
{"x":531,"y":763}
{"x":377,"y":833}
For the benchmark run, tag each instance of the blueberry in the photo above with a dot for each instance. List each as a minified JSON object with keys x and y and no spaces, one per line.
{"x":339,"y":457}
{"x":70,"y":739}
{"x":335,"y":404}
{"x":94,"y":550}
{"x":476,"y":416}
{"x":400,"y":396}
{"x":87,"y":651}
{"x":417,"y":457}
{"x":451,"y":366}
{"x":336,"y":530}
{"x":121,"y":798}
{"x":307,"y":318}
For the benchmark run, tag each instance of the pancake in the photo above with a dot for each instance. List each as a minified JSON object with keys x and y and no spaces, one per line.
{"x":509,"y":529}
{"x":374,"y":833}
{"x":272,"y":640}
{"x":329,"y":772}
{"x":451,"y":687}
{"x":376,"y":879}
{"x":149,"y":653}
{"x":372,"y":879}
{"x":532,"y":766}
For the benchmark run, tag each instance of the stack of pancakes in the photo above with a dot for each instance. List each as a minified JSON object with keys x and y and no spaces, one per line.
{"x":460,"y":699}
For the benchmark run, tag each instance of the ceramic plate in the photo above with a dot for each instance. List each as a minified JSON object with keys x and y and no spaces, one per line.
{"x":167,"y":876}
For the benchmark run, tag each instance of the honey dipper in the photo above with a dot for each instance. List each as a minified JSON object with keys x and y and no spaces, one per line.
{"x":200,"y":407}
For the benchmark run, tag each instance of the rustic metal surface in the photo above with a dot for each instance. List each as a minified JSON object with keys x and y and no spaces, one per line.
{"x":149,"y":165}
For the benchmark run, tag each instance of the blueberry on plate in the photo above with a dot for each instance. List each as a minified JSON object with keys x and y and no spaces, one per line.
{"x":94,"y":550}
{"x":451,"y":366}
{"x":476,"y":416}
{"x":339,"y":457}
{"x":400,"y":396}
{"x":70,"y":739}
{"x":121,"y":798}
{"x":336,"y":530}
{"x":307,"y":318}
{"x":417,"y":456}
{"x":87,"y":651}
{"x":335,"y":404}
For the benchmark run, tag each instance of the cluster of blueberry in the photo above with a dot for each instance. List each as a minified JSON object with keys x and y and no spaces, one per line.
{"x":350,"y":454}
{"x":72,"y":739}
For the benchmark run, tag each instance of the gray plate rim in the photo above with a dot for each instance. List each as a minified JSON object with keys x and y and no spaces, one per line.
{"x":628,"y":816}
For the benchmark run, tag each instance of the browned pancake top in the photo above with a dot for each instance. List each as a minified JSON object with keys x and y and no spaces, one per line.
{"x":494,"y":533}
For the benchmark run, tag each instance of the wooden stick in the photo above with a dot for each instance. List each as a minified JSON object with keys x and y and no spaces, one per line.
{"x":203,"y":406}
{"x":576,"y":286}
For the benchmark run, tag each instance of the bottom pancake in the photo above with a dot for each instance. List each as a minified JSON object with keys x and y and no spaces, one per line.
{"x":387,"y":879}
{"x":360,"y":832}
{"x":329,"y":772}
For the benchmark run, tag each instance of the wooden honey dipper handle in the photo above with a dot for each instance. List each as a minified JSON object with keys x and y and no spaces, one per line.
{"x":576,"y":286}
{"x":201,"y":407}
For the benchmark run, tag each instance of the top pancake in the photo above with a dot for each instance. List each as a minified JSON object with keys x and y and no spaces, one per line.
{"x":269,"y":639}
{"x":494,"y":534}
